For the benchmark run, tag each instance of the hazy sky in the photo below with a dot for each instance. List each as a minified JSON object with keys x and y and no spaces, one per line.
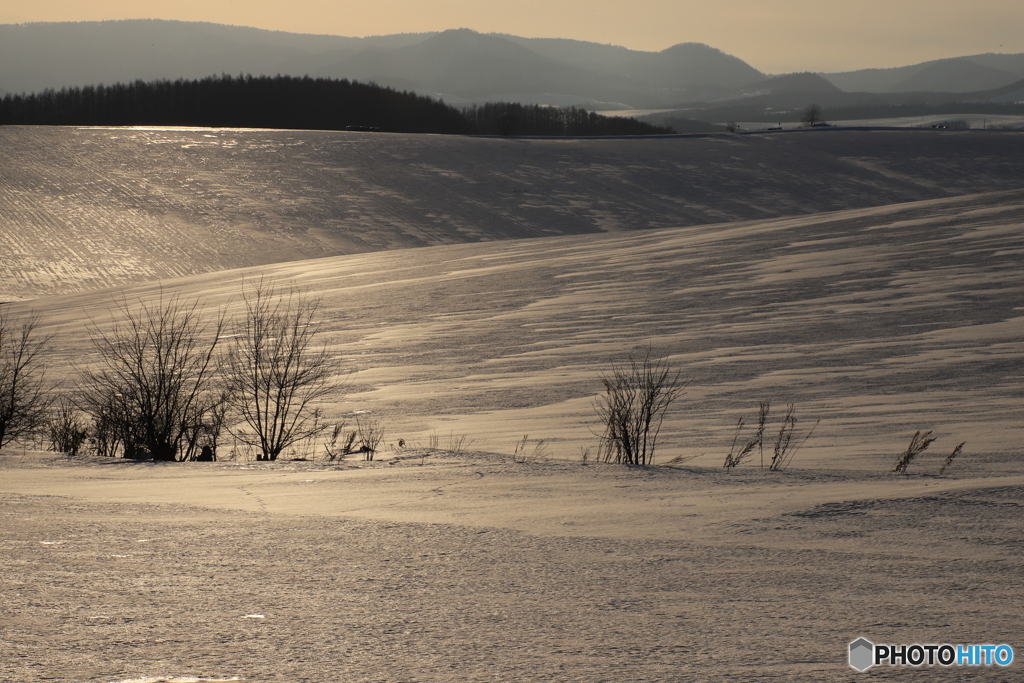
{"x":775,"y":36}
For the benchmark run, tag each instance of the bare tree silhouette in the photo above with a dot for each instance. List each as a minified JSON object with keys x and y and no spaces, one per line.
{"x":277,"y":373}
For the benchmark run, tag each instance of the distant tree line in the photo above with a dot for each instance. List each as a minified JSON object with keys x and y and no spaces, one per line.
{"x":504,"y":118}
{"x":295,"y":102}
{"x":243,"y":101}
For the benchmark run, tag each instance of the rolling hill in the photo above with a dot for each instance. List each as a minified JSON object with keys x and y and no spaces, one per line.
{"x":82,"y":208}
{"x":956,"y":75}
{"x":869,"y":277}
{"x":879,"y":321}
{"x":458,"y":65}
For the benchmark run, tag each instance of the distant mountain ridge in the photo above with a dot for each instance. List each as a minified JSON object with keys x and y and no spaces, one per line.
{"x":958,"y":74}
{"x":460,"y":66}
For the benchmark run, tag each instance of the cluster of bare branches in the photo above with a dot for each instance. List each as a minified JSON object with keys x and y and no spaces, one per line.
{"x":66,"y":427}
{"x":24,"y":401}
{"x":371,"y":433}
{"x":276,"y":372}
{"x":162,"y":385}
{"x":156,"y":377}
{"x":632,"y":409}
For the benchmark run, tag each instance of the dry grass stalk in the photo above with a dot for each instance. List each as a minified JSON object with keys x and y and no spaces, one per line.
{"x":339,"y":444}
{"x":762,"y":420}
{"x":784,"y":451}
{"x":951,"y":457}
{"x":735,"y":457}
{"x":540,"y":450}
{"x":918,"y":444}
{"x":458,"y":444}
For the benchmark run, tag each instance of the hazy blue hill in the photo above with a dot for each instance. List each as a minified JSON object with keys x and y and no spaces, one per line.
{"x":1011,"y":93}
{"x":1009,"y":63}
{"x":682,"y":65}
{"x":458,"y":62}
{"x":961,"y":75}
{"x":695,"y":64}
{"x":572,"y":51}
{"x":955,"y":75}
{"x":797,"y":83}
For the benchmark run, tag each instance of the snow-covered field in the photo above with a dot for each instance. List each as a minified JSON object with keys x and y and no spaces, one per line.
{"x":96,"y":207}
{"x":755,"y":280}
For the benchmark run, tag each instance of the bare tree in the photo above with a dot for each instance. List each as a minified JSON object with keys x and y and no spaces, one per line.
{"x":203,"y":434}
{"x":158,"y":365}
{"x":66,"y":427}
{"x":23,"y":398}
{"x":811,"y":116}
{"x":637,"y":395}
{"x":276,"y":371}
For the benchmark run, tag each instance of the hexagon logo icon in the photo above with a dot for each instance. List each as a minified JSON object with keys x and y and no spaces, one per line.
{"x":862,"y":653}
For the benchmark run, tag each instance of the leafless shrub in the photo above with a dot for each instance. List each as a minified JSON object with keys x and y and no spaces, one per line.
{"x":107,"y":428}
{"x":951,"y":457}
{"x":632,"y":409}
{"x":158,"y":363}
{"x":203,"y":435}
{"x":305,"y":450}
{"x":918,"y":444}
{"x":23,"y":399}
{"x":371,"y":433}
{"x":276,"y":371}
{"x":66,"y":428}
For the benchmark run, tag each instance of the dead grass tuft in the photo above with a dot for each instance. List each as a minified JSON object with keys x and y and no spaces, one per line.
{"x":918,"y":444}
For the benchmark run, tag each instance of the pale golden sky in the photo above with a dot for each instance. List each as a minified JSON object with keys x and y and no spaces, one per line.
{"x":775,"y":36}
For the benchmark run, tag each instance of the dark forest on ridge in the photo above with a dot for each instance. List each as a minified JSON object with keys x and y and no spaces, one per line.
{"x":300,"y":103}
